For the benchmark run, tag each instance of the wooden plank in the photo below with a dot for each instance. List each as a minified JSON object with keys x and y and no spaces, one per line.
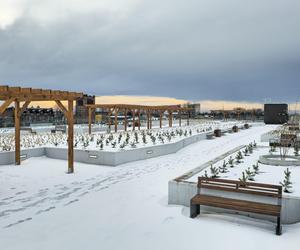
{"x":5,"y":105}
{"x":62,"y":107}
{"x":204,"y":179}
{"x":25,"y":106}
{"x":239,"y":205}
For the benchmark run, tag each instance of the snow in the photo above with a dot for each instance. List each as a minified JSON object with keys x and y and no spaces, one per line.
{"x":124,"y":207}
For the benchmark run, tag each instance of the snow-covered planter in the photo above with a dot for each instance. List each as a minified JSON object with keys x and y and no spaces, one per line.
{"x":235,"y":129}
{"x":217,"y":132}
{"x":275,"y":160}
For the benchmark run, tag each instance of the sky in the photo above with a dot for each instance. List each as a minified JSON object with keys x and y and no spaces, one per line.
{"x":213,"y":51}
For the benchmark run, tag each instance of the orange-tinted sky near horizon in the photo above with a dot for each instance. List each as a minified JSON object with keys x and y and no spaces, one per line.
{"x":206,"y":105}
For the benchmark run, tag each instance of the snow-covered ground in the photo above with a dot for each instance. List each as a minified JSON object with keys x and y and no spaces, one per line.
{"x":266,"y":174}
{"x":124,"y":207}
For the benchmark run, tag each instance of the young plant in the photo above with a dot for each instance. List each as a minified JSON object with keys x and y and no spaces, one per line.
{"x":231,"y":162}
{"x":214,"y":172}
{"x":286,"y":183}
{"x":223,"y":168}
{"x":256,"y":168}
{"x":246,"y":151}
{"x":244,"y":178}
{"x":239,"y":157}
{"x":205,"y":174}
{"x":250,"y":174}
{"x":296,"y":150}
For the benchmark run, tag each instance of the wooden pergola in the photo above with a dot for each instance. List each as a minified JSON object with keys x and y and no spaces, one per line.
{"x":18,"y":95}
{"x":136,"y":110}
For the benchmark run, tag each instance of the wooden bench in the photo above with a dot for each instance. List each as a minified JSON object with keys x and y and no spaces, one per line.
{"x":243,"y":205}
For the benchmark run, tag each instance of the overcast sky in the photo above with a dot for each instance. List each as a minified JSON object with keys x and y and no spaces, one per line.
{"x":234,"y":50}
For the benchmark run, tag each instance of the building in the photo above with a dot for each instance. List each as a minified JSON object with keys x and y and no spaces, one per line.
{"x":276,"y":113}
{"x":7,"y":119}
{"x":195,"y":109}
{"x":33,"y":116}
{"x":81,"y":113}
{"x":238,"y":114}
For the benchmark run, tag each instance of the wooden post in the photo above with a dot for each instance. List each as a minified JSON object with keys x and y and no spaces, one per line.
{"x":160,"y":118}
{"x":109,"y":119}
{"x":116,"y":120}
{"x":17,"y":134}
{"x":133,"y":119}
{"x":179,"y":118}
{"x":150,"y":120}
{"x":170,"y":118}
{"x":188,"y":118}
{"x":125,"y":120}
{"x":90,"y":120}
{"x":70,"y":137}
{"x":139,"y":114}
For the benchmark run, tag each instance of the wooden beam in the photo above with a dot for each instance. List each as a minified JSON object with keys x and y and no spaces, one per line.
{"x":62,"y":107}
{"x":70,"y":138}
{"x":17,"y":134}
{"x":5,"y":105}
{"x":25,"y":106}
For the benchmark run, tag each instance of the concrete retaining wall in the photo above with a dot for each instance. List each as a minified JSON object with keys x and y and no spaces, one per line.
{"x":104,"y":157}
{"x":7,"y":158}
{"x":275,"y":160}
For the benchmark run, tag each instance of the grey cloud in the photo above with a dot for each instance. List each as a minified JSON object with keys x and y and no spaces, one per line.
{"x":234,"y":50}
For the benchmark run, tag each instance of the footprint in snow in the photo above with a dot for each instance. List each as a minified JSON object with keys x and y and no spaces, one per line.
{"x":167,"y":220}
{"x":70,"y":202}
{"x":18,"y":222}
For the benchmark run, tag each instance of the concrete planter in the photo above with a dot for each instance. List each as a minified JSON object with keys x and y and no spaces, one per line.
{"x":235,"y":129}
{"x":275,"y":160}
{"x":217,"y":132}
{"x":181,"y":191}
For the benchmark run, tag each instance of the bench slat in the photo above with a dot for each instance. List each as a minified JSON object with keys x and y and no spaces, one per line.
{"x":240,"y":205}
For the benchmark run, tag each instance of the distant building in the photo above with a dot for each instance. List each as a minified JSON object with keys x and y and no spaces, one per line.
{"x":195,"y":109}
{"x":7,"y":119}
{"x":81,"y":113}
{"x":276,"y":113}
{"x":33,"y":116}
{"x":238,"y":114}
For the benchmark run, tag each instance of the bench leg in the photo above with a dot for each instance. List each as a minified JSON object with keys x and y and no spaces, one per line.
{"x":194,"y":210}
{"x":278,"y":227}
